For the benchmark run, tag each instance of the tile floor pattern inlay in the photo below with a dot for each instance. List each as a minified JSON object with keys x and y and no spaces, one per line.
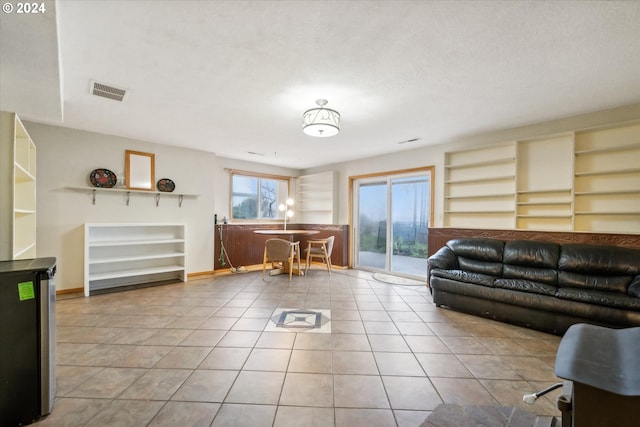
{"x":207,"y":353}
{"x":300,"y":320}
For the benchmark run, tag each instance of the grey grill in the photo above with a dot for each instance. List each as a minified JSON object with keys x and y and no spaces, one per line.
{"x":106,"y":91}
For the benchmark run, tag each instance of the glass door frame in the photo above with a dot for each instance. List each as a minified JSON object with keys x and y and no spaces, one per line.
{"x":386,"y":177}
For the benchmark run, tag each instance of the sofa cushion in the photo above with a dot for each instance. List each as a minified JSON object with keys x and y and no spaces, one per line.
{"x":603,"y":268}
{"x":526,"y":286}
{"x":477,"y":248}
{"x":600,"y":283}
{"x":443,"y":284}
{"x":593,"y":313}
{"x":464,"y":276}
{"x":543,"y":275}
{"x":606,"y":299}
{"x":599,"y":260}
{"x":481,"y":267}
{"x":528,"y":253}
{"x":524,"y":299}
{"x":477,"y":255}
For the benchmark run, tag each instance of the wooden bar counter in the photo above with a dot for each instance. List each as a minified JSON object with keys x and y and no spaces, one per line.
{"x":438,"y":237}
{"x":245,"y":247}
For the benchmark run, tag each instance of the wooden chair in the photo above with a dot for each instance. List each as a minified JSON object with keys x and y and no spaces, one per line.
{"x":320,"y":248}
{"x":281,"y":251}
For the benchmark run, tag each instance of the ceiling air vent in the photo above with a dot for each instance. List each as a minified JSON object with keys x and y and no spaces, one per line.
{"x":410,"y":140}
{"x":107,"y":91}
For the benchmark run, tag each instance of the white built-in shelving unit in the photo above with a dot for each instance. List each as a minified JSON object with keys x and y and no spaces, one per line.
{"x":316,"y":197}
{"x":17,"y":189}
{"x":480,"y":187}
{"x":584,"y":180}
{"x":544,"y":181}
{"x":122,"y":254}
{"x":607,"y":179}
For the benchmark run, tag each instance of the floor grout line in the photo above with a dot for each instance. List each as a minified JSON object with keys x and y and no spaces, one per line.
{"x":242,"y":297}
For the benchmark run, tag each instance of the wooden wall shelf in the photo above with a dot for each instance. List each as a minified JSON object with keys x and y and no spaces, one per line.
{"x":480,"y":196}
{"x":491,"y":162}
{"x":608,"y":149}
{"x":481,"y":179}
{"x":609,"y":172}
{"x":128,"y":192}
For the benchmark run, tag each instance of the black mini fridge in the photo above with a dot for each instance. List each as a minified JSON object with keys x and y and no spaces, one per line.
{"x":27,"y":340}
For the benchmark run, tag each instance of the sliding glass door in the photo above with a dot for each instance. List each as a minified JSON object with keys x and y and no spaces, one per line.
{"x":372,"y":225}
{"x":392,"y":215}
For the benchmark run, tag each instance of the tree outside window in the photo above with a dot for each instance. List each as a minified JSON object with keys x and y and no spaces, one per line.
{"x":257,"y":197}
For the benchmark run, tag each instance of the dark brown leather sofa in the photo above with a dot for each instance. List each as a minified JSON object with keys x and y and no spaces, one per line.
{"x":540,"y":285}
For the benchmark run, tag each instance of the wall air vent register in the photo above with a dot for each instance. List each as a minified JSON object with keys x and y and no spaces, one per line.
{"x":107,"y":91}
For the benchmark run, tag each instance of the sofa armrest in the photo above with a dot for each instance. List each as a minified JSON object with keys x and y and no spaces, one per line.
{"x":444,"y":259}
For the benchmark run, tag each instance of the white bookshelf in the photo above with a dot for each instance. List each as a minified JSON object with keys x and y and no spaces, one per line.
{"x":123,"y":254}
{"x":480,"y":187}
{"x":316,"y":197}
{"x":607,"y":180}
{"x":545,"y":180}
{"x":583,"y":180}
{"x":17,"y":189}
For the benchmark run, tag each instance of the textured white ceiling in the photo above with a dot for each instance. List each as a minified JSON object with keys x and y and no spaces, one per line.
{"x":234,"y":77}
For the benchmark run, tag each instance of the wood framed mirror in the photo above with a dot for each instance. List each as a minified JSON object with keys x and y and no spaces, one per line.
{"x":140,"y":170}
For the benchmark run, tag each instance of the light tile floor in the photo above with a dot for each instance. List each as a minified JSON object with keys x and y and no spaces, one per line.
{"x":204,"y":353}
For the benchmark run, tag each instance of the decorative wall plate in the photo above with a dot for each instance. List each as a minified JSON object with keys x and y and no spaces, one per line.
{"x":165,"y":185}
{"x":103,"y":178}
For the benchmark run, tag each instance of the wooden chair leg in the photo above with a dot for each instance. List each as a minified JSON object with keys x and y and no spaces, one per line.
{"x":264,"y":262}
{"x":291,"y":262}
{"x":323,"y":256}
{"x":326,"y":259}
{"x":298,"y":257}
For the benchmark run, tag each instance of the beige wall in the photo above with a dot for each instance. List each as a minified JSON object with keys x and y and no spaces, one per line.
{"x":434,"y":155}
{"x":66,"y":156}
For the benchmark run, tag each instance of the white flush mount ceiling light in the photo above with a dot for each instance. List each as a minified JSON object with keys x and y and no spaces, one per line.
{"x":321,"y":122}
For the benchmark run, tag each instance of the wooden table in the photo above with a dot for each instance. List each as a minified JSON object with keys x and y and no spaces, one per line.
{"x":290,"y":234}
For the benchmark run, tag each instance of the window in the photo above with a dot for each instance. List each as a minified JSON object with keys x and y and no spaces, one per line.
{"x":257,"y":196}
